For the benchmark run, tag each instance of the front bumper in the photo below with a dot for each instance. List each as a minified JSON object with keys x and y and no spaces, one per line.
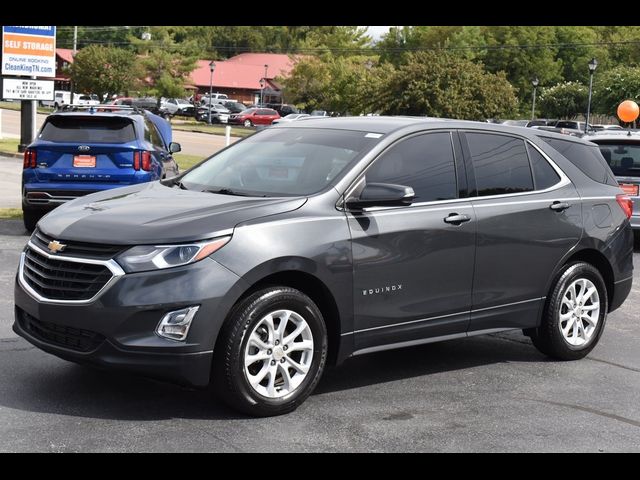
{"x":122,"y":320}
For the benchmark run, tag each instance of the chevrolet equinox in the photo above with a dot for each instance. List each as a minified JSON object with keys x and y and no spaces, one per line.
{"x":309,"y":243}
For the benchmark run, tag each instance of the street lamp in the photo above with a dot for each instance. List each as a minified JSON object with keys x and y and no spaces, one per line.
{"x":593,"y":64}
{"x":535,"y":82}
{"x":212,"y":67}
{"x":261,"y":90}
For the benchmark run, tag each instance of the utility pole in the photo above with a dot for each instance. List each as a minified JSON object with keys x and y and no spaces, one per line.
{"x":73,"y":55}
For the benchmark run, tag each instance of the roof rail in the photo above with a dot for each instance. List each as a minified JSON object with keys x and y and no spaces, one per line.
{"x":99,"y":108}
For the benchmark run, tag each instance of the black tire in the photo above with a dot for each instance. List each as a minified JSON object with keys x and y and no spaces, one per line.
{"x":30,"y":219}
{"x":229,"y":379}
{"x":547,"y":338}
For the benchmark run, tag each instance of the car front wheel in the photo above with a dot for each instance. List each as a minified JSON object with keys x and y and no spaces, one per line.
{"x":248,"y":123}
{"x":574,"y":315}
{"x":271,"y":352}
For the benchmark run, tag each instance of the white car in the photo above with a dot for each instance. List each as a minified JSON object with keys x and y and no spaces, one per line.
{"x":292,"y":117}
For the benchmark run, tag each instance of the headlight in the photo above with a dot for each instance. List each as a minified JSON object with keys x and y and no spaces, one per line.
{"x":154,"y":257}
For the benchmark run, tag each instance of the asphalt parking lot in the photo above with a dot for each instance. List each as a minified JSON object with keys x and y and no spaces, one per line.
{"x":492,"y":393}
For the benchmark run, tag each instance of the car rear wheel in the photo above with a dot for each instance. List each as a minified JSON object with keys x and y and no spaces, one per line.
{"x":271,"y":352}
{"x":574,"y":315}
{"x":248,"y":123}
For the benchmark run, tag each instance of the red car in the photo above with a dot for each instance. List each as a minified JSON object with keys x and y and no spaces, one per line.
{"x":254,"y":116}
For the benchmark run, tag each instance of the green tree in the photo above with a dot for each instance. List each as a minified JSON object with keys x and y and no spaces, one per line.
{"x":563,"y":100}
{"x":614,"y":86}
{"x":166,"y":63}
{"x":104,"y":70}
{"x":441,"y":84}
{"x":333,"y":83}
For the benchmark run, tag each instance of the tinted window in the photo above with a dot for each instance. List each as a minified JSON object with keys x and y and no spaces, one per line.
{"x":544,"y":175}
{"x":623,"y":158}
{"x":282,"y":161}
{"x":500,"y":163}
{"x":88,"y":129}
{"x":154,"y":136}
{"x":587,"y":158}
{"x":574,"y":125}
{"x":424,"y":163}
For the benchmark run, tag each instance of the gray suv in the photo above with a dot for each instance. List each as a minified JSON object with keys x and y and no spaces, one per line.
{"x":312,"y":242}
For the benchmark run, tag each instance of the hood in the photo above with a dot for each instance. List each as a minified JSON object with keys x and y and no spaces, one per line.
{"x":152,"y":213}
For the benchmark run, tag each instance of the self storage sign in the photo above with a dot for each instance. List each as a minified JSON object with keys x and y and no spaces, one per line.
{"x":29,"y":51}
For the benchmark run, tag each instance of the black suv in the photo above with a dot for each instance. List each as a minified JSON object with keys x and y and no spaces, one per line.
{"x":315,"y":241}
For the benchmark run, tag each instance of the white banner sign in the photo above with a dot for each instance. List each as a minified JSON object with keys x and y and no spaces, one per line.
{"x":23,"y":89}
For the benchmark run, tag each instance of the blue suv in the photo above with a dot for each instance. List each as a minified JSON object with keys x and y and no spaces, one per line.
{"x":81,"y":152}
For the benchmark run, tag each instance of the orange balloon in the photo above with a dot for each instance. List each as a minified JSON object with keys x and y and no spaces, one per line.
{"x":628,"y":111}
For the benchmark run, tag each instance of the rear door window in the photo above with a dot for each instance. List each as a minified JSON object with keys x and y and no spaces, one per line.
{"x":85,"y":129}
{"x":500,"y":164}
{"x":544,"y":175}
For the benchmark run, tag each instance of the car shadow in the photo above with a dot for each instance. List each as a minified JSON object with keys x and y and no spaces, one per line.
{"x":63,"y":388}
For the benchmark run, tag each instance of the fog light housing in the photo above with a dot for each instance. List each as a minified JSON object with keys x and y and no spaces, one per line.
{"x":175,"y":325}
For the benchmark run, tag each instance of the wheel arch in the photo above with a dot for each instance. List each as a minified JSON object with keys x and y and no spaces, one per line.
{"x":598,"y":260}
{"x":312,"y":286}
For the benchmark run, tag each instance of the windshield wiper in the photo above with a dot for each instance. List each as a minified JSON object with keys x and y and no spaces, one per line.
{"x":228,"y":191}
{"x":180,"y":184}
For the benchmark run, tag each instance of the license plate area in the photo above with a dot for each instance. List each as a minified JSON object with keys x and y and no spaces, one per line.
{"x":84,"y":161}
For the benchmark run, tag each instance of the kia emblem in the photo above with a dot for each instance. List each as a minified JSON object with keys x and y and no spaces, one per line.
{"x":84,"y":148}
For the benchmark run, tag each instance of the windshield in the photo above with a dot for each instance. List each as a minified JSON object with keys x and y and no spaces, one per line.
{"x":281,"y":162}
{"x":623,"y":158}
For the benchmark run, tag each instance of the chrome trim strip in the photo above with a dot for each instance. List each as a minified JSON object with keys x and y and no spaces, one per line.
{"x":412,"y":321}
{"x":115,"y":269}
{"x":422,"y":341}
{"x":508,"y":304}
{"x":445,"y":316}
{"x":624,"y":280}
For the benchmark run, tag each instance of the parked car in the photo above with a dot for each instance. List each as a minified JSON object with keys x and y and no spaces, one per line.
{"x":233,"y":106}
{"x":219,"y":113}
{"x":315,"y":241}
{"x":599,"y":128}
{"x":254,"y":116}
{"x":283,"y":109}
{"x":214,"y":98}
{"x":621,"y":151}
{"x":81,"y":152}
{"x":175,"y":106}
{"x":291,"y":118}
{"x":319,"y":113}
{"x":62,"y":98}
{"x":524,"y":123}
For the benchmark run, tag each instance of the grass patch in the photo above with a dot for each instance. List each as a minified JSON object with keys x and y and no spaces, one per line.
{"x":10,"y":213}
{"x":236,"y":131}
{"x":15,"y":105}
{"x":186,"y":161}
{"x":9,"y":145}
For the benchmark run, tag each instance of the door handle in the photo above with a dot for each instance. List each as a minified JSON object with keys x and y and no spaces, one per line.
{"x":456,"y":218}
{"x":559,"y":206}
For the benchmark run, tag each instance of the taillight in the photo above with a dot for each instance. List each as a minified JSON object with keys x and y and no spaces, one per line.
{"x":626,"y":204}
{"x":142,"y":160}
{"x":30,"y":159}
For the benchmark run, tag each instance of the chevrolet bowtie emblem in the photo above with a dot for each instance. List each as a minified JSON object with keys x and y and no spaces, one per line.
{"x":55,"y":246}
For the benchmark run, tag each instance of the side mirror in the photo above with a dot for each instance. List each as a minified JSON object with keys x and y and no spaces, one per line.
{"x":382,"y":195}
{"x":174,"y":147}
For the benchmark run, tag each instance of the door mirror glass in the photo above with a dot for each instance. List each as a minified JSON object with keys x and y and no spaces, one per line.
{"x":382,"y":195}
{"x":174,"y":147}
